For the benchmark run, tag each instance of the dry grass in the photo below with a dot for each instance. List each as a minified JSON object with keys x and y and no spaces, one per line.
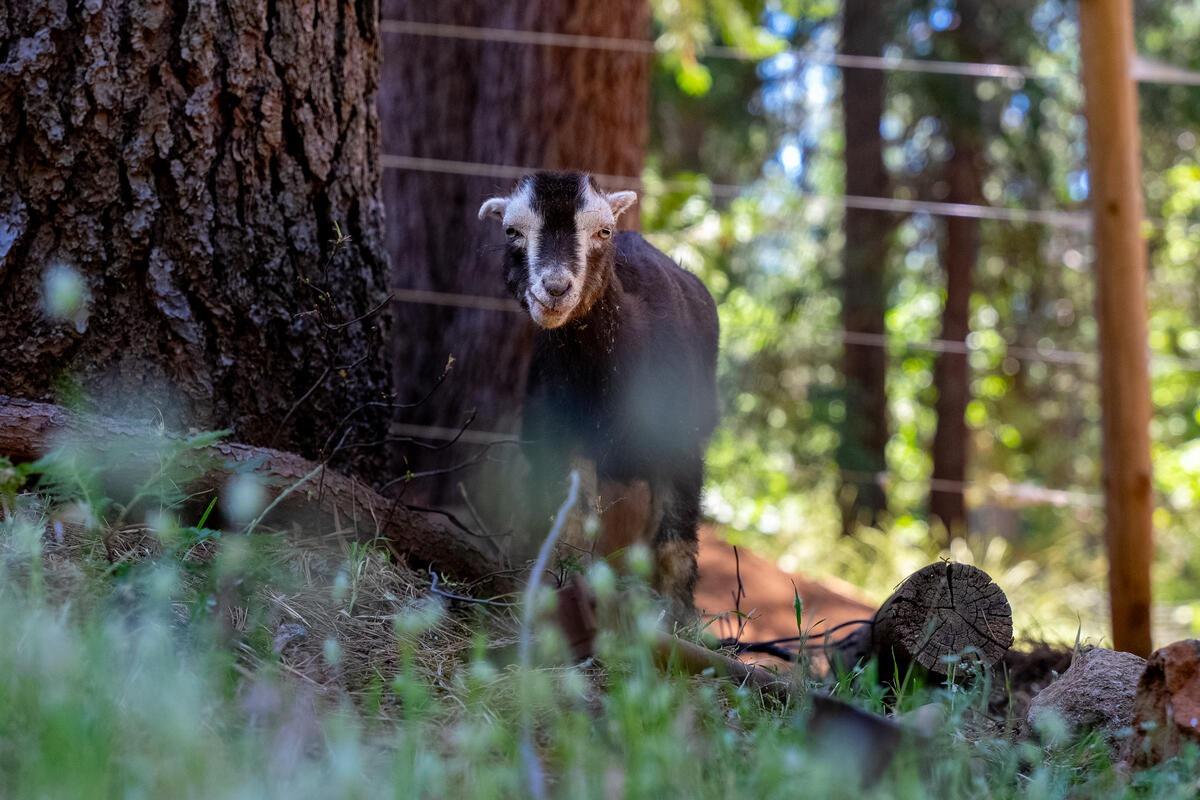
{"x":331,"y":611}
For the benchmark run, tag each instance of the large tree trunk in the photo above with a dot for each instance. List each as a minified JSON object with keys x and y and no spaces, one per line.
{"x":864,"y":433}
{"x":190,"y":162}
{"x":494,"y":103}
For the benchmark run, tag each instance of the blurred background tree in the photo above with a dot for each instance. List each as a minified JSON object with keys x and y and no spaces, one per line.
{"x":867,"y":237}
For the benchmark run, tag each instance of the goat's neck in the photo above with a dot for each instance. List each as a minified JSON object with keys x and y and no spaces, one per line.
{"x":592,"y":338}
{"x":598,"y":328}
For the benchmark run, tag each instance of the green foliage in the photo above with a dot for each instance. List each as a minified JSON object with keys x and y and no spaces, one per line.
{"x":12,"y":478}
{"x":687,"y":30}
{"x":771,"y":254}
{"x":107,"y":690}
{"x":150,"y":465}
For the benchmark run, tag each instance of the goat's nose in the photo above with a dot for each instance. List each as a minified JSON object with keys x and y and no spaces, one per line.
{"x":556,"y":287}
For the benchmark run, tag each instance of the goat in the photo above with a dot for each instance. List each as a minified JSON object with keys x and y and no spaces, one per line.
{"x":624,"y":361}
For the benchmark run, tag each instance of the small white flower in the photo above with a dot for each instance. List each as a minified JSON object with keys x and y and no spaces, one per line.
{"x":243,"y":498}
{"x":65,"y":295}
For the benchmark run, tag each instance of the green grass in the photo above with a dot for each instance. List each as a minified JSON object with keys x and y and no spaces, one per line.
{"x":121,"y":687}
{"x":140,"y":662}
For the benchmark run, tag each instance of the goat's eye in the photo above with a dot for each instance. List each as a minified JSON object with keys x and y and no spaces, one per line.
{"x":604,"y":233}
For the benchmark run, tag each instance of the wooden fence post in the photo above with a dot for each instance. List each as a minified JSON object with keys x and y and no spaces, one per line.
{"x":1115,"y":176}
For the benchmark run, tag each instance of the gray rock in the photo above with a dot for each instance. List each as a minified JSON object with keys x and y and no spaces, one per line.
{"x":1096,"y":693}
{"x":286,"y":634}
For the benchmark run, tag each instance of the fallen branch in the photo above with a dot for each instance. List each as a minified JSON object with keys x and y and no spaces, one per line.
{"x":29,"y":430}
{"x":867,"y":742}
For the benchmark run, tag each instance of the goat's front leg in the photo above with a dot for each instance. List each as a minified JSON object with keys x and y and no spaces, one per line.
{"x":548,"y":455}
{"x":576,"y":545}
{"x":676,"y":544}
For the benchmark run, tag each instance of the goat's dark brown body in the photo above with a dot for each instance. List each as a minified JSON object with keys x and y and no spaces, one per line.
{"x":631,"y":385}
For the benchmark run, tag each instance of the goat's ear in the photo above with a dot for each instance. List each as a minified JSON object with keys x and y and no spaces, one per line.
{"x":493,"y":208}
{"x":620,"y":201}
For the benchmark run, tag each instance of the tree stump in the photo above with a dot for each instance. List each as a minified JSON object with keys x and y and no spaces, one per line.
{"x":940,"y":611}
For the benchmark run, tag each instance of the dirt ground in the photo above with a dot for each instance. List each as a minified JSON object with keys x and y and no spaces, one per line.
{"x":767,"y":595}
{"x":767,"y":603}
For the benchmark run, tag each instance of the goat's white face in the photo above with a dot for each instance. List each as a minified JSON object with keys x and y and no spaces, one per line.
{"x":560,"y":229}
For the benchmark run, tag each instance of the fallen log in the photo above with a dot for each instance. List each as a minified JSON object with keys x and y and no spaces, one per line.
{"x":864,"y":740}
{"x":941,"y":615}
{"x":867,"y":741}
{"x":303,"y":493}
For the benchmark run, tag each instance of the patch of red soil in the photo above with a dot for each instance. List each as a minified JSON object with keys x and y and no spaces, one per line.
{"x":768,"y":594}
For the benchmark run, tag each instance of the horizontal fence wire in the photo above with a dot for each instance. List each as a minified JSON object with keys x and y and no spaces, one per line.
{"x":997,"y":486}
{"x":1144,"y":70}
{"x":1071,"y":220}
{"x":1023,"y":353}
{"x":443,"y":434}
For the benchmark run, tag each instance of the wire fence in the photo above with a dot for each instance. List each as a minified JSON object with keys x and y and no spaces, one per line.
{"x":1043,"y":354}
{"x":1071,"y":220}
{"x":1062,"y":219}
{"x":1144,"y":70}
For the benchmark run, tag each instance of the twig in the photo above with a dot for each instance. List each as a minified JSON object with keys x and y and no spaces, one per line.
{"x":534,"y":775}
{"x":761,"y":646}
{"x":295,"y":406}
{"x":425,"y":445}
{"x":768,"y":649}
{"x":352,"y":365}
{"x":443,"y":445}
{"x":455,"y":521}
{"x":462,"y":490}
{"x":339,"y":326}
{"x":325,"y":462}
{"x":738,"y":595}
{"x":390,"y":406}
{"x":429,"y":473}
{"x":485,"y":601}
{"x":282,"y":495}
{"x":497,"y":574}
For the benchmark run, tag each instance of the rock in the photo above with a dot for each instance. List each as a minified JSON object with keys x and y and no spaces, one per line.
{"x":1167,"y":708}
{"x":925,"y":720}
{"x":1095,"y":693}
{"x":286,"y":634}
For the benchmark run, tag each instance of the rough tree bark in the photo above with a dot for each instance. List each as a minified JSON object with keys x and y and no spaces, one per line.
{"x":190,"y":162}
{"x":864,"y":433}
{"x":494,"y":103}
